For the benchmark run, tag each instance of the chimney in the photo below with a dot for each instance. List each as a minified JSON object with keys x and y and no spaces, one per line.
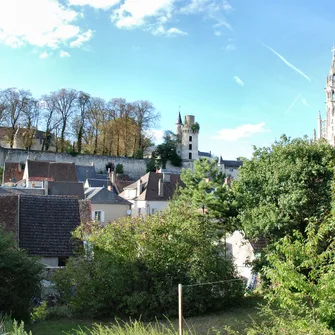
{"x":92,"y":164}
{"x":19,"y":168}
{"x":46,"y":187}
{"x":166,"y":177}
{"x":160,"y":188}
{"x":110,"y":188}
{"x":113,"y":177}
{"x":139,"y":187}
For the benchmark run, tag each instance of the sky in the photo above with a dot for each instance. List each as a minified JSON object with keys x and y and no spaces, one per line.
{"x":249,"y":71}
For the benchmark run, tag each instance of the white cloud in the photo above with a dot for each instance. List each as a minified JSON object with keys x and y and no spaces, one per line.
{"x":64,"y":54}
{"x":81,"y":39}
{"x":45,"y":54}
{"x":168,"y":32}
{"x":40,"y":23}
{"x":246,"y":130}
{"x":238,"y":81}
{"x":230,"y":47}
{"x":217,"y":33}
{"x":285,"y":61}
{"x":98,"y":4}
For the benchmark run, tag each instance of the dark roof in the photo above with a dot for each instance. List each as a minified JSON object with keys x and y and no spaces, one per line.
{"x":227,"y":163}
{"x":54,"y":171}
{"x":21,"y":190}
{"x":13,"y":172}
{"x":8,"y":213}
{"x":100,"y":195}
{"x":94,"y":182}
{"x":46,"y":224}
{"x":66,"y":188}
{"x":204,"y":154}
{"x":150,"y":186}
{"x":84,"y":172}
{"x":179,"y":119}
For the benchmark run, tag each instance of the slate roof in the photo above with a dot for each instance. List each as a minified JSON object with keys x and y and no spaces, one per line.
{"x":230,"y":164}
{"x":150,"y":187}
{"x":84,"y":172}
{"x":54,"y":171}
{"x":46,"y":223}
{"x":101,"y":195}
{"x":204,"y":154}
{"x":66,"y":188}
{"x":19,"y":190}
{"x":94,"y":182}
{"x":13,"y":172}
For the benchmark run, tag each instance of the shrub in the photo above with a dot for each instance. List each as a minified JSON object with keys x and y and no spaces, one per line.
{"x":19,"y":277}
{"x":12,"y":327}
{"x":119,"y":169}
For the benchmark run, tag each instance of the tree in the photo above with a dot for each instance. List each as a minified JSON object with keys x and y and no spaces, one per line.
{"x":83,"y":104}
{"x":19,"y":276}
{"x":167,"y":151}
{"x":30,"y":121}
{"x":14,"y":103}
{"x":282,"y":186}
{"x":138,"y":263}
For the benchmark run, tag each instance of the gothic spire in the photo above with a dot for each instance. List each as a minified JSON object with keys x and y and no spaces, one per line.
{"x":179,"y":119}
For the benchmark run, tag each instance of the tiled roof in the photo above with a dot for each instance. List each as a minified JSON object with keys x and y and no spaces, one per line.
{"x":46,"y":224}
{"x":52,"y":171}
{"x":100,"y":195}
{"x":13,"y":172}
{"x":66,"y":188}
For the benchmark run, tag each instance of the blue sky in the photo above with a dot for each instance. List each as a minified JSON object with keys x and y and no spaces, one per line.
{"x":248,"y":71}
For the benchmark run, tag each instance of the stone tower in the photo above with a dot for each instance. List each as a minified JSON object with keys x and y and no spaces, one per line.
{"x":188,"y":133}
{"x":326,"y":127}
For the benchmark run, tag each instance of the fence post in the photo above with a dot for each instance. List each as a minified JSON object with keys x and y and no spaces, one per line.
{"x":180,"y":308}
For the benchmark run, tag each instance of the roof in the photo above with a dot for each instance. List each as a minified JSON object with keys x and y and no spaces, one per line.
{"x":150,"y":186}
{"x":40,"y":170}
{"x":84,"y":172}
{"x":95,"y":182}
{"x":19,"y":190}
{"x":179,"y":119}
{"x":46,"y":224}
{"x":204,"y":154}
{"x":13,"y":172}
{"x":8,"y":213}
{"x":101,"y":195}
{"x":227,"y":163}
{"x":66,"y":188}
{"x":6,"y":131}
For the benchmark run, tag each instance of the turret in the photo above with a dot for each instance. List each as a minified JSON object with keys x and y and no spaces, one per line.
{"x":178,"y":125}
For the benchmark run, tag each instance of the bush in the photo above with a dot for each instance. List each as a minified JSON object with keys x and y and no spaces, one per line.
{"x":119,"y":169}
{"x":139,"y":262}
{"x":19,"y":277}
{"x":12,"y":327}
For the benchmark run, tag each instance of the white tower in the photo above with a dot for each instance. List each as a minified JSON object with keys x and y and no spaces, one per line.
{"x":326,"y":127}
{"x":188,"y":134}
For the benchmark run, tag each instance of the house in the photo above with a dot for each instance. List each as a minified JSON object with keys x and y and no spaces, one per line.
{"x":31,"y":139}
{"x":36,"y":172}
{"x":42,"y":225}
{"x":64,"y":188}
{"x":229,"y":167}
{"x":151,"y":192}
{"x":106,"y":204}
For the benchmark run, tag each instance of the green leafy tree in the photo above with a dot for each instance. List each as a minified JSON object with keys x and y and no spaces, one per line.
{"x":167,"y":151}
{"x":283,"y":185}
{"x":19,"y":277}
{"x":138,"y":263}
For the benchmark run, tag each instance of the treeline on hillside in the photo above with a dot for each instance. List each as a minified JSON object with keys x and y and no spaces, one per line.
{"x":73,"y":121}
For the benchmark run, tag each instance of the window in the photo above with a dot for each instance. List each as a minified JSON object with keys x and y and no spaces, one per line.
{"x":190,"y":138}
{"x":62,"y":260}
{"x":190,"y":147}
{"x":190,"y":155}
{"x":98,"y":216}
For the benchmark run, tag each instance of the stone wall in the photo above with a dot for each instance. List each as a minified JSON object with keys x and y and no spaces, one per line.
{"x":135,"y":168}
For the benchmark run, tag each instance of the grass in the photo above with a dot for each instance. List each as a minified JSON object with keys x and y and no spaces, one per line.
{"x":238,"y":318}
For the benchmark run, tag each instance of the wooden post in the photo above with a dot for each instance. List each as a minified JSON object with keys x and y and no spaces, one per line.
{"x":180,"y":309}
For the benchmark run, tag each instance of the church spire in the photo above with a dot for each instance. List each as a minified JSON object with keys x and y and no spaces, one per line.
{"x":179,"y":118}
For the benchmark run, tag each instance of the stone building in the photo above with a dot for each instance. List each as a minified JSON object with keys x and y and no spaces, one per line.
{"x":326,"y":126}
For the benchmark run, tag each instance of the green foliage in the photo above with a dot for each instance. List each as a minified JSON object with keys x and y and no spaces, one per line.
{"x":19,"y":277}
{"x":138,"y":263}
{"x":119,"y":169}
{"x":282,"y":186}
{"x":39,"y":313}
{"x":138,"y":154}
{"x":207,"y":191}
{"x":151,"y":165}
{"x":195,"y":127}
{"x":167,"y":151}
{"x":12,"y":327}
{"x":1,"y":174}
{"x":130,"y":328}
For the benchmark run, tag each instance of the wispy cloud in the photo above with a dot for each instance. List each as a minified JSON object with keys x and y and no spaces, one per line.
{"x":246,"y":130}
{"x":285,"y":61}
{"x":45,"y":54}
{"x":64,"y":54}
{"x":98,"y":4}
{"x":230,"y":47}
{"x":293,"y":103}
{"x":161,"y":31}
{"x":81,"y":39}
{"x":238,"y":81}
{"x":217,"y":33}
{"x":304,"y":102}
